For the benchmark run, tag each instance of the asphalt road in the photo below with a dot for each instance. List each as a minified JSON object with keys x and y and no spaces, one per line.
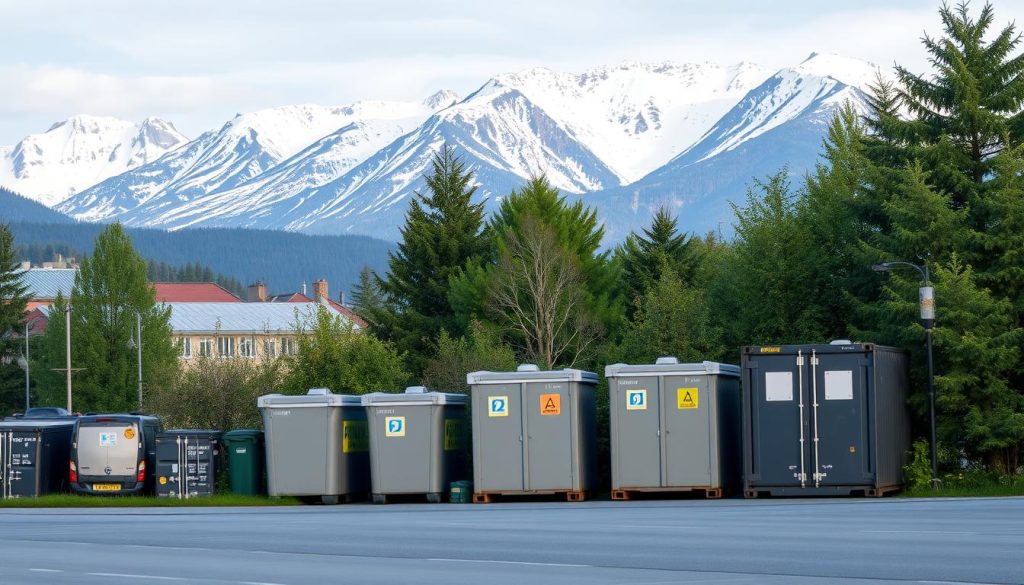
{"x":799,"y":542}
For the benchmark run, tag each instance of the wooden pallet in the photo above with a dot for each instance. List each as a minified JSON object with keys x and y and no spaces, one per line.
{"x":490,"y":497}
{"x":708,"y":493}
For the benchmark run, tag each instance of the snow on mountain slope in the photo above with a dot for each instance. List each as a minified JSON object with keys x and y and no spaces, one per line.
{"x":502,"y":136}
{"x":373,"y":126}
{"x":779,"y":124}
{"x":242,"y":150}
{"x":637,"y":116}
{"x":82,"y":151}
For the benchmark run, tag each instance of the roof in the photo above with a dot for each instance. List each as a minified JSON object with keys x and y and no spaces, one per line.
{"x":45,"y":283}
{"x":301,"y":298}
{"x":238,"y":317}
{"x":192,"y":292}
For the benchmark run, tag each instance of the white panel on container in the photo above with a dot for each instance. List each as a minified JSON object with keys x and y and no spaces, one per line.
{"x":838,"y":385}
{"x":778,"y":386}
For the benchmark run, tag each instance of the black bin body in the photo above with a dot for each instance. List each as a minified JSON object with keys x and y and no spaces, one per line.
{"x":187,"y":463}
{"x":824,"y":420}
{"x":34,"y":457}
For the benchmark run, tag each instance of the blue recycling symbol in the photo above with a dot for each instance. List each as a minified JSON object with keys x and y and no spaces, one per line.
{"x":498,"y":405}
{"x":636,"y":398}
{"x":395,"y":425}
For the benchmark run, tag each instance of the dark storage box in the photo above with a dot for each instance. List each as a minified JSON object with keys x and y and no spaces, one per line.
{"x":187,"y":463}
{"x":824,"y":419}
{"x":34,"y":457}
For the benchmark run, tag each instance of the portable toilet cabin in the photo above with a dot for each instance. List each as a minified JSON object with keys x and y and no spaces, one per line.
{"x":534,"y":432}
{"x":674,"y":427}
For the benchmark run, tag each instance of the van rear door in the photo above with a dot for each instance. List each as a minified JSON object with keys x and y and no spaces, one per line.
{"x":108,"y":449}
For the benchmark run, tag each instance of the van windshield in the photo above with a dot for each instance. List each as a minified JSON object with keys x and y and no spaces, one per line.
{"x":108,"y":449}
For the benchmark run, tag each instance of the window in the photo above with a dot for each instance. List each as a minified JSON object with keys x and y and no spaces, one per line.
{"x":287,"y":346}
{"x":247,"y":347}
{"x":185,"y":343}
{"x":226,"y":347}
{"x":205,"y":347}
{"x":269,"y":348}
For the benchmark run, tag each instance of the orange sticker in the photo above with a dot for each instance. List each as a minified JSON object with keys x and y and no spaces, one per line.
{"x":129,"y":433}
{"x":550,"y":404}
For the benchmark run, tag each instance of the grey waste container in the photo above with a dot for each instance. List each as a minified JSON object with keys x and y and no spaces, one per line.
{"x":534,"y":432}
{"x":824,"y":420}
{"x":187,"y":463}
{"x":415,"y":442}
{"x":674,"y":427}
{"x":34,"y":456}
{"x":316,"y":445}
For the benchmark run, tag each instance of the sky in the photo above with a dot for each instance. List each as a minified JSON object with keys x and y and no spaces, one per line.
{"x":198,"y":63}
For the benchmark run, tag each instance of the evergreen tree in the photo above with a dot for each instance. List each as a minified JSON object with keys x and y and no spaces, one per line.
{"x":110,"y":288}
{"x":13,"y":300}
{"x":673,"y":318}
{"x":644,"y":255}
{"x":441,"y":235}
{"x":368,"y":299}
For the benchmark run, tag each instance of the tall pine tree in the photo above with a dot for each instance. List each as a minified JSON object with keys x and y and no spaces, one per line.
{"x":110,"y":288}
{"x":12,"y":311}
{"x":645,"y":254}
{"x":441,"y":235}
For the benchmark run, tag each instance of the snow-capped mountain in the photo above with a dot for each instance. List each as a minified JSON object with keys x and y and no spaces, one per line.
{"x":238,"y":159}
{"x":80,"y":152}
{"x":628,"y":139}
{"x":780,"y":123}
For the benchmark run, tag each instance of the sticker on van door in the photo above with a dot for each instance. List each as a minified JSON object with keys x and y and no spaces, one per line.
{"x":108,"y":439}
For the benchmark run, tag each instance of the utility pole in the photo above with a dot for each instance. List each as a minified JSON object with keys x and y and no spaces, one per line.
{"x":138,"y":336}
{"x":67,"y":350}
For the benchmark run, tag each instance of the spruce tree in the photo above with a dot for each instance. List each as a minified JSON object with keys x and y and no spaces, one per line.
{"x":110,"y":288}
{"x":441,"y":235}
{"x":644,"y":255}
{"x":13,"y":300}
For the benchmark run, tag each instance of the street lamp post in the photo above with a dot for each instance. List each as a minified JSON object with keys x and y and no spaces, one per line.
{"x":138,"y":346}
{"x":28,"y":383}
{"x":926,"y":300}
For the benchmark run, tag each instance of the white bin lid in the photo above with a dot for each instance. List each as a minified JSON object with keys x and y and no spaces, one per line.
{"x":315,"y":397}
{"x":530,"y":373}
{"x":671,"y":367}
{"x":413,"y":395}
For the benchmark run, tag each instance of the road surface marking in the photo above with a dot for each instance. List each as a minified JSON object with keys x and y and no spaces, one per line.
{"x":128,"y":576}
{"x":46,"y":570}
{"x":257,"y":583}
{"x":916,"y":532}
{"x":508,"y":563}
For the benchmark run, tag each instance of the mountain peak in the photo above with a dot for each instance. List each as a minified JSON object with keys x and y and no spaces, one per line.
{"x":441,"y":99}
{"x":848,"y":70}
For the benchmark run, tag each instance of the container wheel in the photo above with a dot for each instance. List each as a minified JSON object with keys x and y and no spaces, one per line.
{"x":434,"y":498}
{"x":329,"y":500}
{"x":380,"y":499}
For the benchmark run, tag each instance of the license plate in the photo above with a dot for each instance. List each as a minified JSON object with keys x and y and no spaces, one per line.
{"x":106,"y":487}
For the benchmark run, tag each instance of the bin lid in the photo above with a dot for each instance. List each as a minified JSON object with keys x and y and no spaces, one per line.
{"x":243,"y":436}
{"x":210,"y":433}
{"x":530,"y":373}
{"x":671,"y":367}
{"x":413,"y":395}
{"x":316,"y":397}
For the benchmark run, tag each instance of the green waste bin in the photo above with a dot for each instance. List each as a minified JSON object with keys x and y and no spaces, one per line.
{"x":245,"y":461}
{"x":461,"y":492}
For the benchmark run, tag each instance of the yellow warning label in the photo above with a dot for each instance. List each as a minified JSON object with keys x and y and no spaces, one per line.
{"x":687,"y":398}
{"x":355,"y":437}
{"x":129,"y":433}
{"x":452,"y":434}
{"x":550,"y":404}
{"x":163,"y":480}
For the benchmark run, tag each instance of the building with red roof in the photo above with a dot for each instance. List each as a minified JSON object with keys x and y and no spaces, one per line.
{"x":193,"y":292}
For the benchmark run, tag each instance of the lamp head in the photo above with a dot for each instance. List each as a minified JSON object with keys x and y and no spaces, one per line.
{"x":882,"y":267}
